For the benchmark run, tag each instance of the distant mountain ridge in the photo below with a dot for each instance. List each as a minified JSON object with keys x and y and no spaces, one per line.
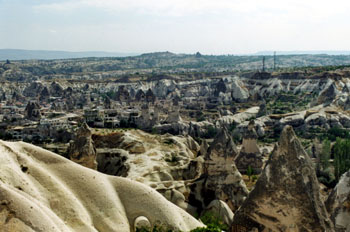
{"x":21,"y":54}
{"x":316,"y":52}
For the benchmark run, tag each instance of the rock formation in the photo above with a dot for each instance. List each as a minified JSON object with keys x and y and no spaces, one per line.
{"x":82,"y":149}
{"x":338,"y":204}
{"x":150,"y":97}
{"x":16,"y":96}
{"x":222,"y":180}
{"x":42,"y":191}
{"x":262,"y":110}
{"x":122,"y":94}
{"x":220,"y":88}
{"x":174,"y":116}
{"x":140,"y":96}
{"x":56,"y":89}
{"x":107,"y":103}
{"x":32,"y":111}
{"x":33,"y":89}
{"x":286,"y":196}
{"x":328,"y":95}
{"x":250,"y":155}
{"x":44,"y":94}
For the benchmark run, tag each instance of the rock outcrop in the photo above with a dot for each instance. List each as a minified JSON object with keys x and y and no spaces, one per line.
{"x":338,"y":204}
{"x":82,"y":149}
{"x":286,"y":196}
{"x":250,"y":155}
{"x":41,"y":191}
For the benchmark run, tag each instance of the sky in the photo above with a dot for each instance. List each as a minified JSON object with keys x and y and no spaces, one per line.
{"x":180,"y":26}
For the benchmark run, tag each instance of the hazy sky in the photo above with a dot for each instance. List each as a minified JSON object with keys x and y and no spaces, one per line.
{"x":181,"y":26}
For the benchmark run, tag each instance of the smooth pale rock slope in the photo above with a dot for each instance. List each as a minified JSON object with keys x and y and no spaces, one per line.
{"x":41,"y":191}
{"x":286,"y":196}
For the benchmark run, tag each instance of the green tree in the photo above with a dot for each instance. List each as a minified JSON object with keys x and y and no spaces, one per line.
{"x":325,"y":154}
{"x":341,"y":157}
{"x":250,"y":171}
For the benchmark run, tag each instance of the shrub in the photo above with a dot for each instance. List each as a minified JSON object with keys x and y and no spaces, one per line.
{"x":213,"y":223}
{"x":327,"y":178}
{"x":250,"y":171}
{"x":211,"y":132}
{"x":173,"y":158}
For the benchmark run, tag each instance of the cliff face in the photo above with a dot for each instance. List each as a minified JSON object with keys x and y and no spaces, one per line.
{"x":41,"y":191}
{"x":286,"y":196}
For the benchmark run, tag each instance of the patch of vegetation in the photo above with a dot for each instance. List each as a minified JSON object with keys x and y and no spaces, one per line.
{"x":127,"y":124}
{"x":250,"y":171}
{"x":268,"y":139}
{"x":341,"y":150}
{"x":210,"y":133}
{"x":232,"y":127}
{"x":288,"y":102}
{"x":154,"y":131}
{"x":200,"y":117}
{"x":174,"y":158}
{"x":327,"y":178}
{"x":213,"y":223}
{"x":154,"y":229}
{"x":169,"y":141}
{"x":325,"y":154}
{"x":334,"y":133}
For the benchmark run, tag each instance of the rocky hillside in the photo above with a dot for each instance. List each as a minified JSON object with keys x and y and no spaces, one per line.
{"x":175,"y":166}
{"x":162,"y":62}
